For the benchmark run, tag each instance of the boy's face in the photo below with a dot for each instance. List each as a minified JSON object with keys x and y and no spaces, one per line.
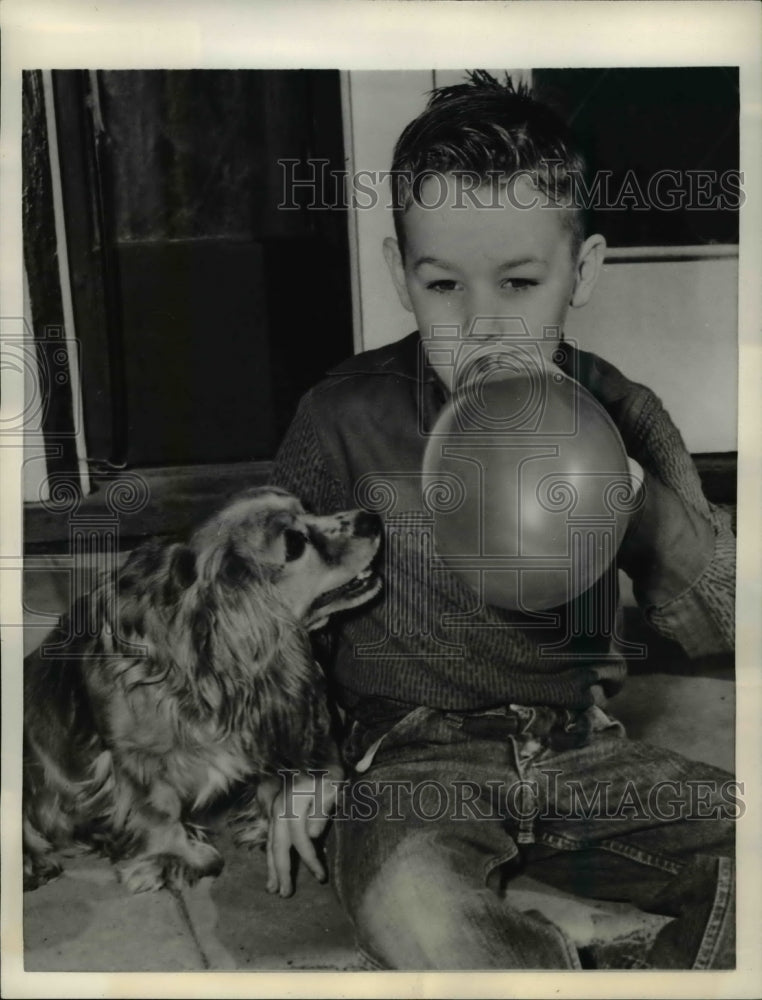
{"x":490,"y":267}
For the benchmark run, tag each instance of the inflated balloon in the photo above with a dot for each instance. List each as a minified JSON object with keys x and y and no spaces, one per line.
{"x":527,"y":479}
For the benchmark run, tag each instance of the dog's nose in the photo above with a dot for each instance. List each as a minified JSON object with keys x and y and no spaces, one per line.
{"x":367,"y":525}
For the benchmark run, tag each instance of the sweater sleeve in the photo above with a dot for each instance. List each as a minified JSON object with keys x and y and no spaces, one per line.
{"x":702,"y":617}
{"x":301,"y":468}
{"x":700,"y":613}
{"x":696,"y":606}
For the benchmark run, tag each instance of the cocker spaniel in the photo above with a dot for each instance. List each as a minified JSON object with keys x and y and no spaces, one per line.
{"x":181,"y":676}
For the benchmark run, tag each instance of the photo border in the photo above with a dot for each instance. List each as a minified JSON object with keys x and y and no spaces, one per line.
{"x":132,"y":34}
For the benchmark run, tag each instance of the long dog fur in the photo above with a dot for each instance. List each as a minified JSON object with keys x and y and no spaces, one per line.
{"x":188,"y":672}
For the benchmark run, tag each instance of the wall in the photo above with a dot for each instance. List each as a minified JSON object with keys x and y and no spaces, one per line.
{"x":377,"y":106}
{"x":673,"y":326}
{"x":669,"y":323}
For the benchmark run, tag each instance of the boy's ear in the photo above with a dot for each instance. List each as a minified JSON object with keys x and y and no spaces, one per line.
{"x":589,"y":264}
{"x":396,"y":267}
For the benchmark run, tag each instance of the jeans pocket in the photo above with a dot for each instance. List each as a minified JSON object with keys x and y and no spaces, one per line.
{"x":400,"y":733}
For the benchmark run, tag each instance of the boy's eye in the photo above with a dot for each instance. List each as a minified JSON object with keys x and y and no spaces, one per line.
{"x":443,"y":285}
{"x":519,"y":284}
{"x":296,"y":543}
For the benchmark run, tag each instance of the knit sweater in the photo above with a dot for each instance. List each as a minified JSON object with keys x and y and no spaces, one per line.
{"x":358,"y":439}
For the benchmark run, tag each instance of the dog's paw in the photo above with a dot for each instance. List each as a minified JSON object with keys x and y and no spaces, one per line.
{"x":206,"y":860}
{"x":40,"y":869}
{"x":178,"y":875}
{"x":249,"y":831}
{"x":248,"y":820}
{"x":142,"y":874}
{"x":149,"y":874}
{"x":203,"y":859}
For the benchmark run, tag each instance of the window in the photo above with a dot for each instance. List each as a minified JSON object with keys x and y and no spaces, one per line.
{"x":668,"y":140}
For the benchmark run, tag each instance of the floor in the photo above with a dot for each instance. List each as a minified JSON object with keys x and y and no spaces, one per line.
{"x":85,"y":920}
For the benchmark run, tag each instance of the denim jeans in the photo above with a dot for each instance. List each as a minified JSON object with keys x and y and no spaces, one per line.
{"x":427,"y":839}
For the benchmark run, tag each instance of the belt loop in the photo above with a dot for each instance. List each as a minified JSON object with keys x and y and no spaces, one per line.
{"x":524,"y":750}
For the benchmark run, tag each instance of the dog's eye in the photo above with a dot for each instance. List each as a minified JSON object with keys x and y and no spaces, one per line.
{"x":296,"y":543}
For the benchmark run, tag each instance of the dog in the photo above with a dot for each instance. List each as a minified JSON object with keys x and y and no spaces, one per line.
{"x":184,"y":675}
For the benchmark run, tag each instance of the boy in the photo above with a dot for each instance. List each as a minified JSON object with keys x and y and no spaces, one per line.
{"x":449,"y":699}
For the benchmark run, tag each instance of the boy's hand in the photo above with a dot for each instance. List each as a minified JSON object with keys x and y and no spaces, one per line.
{"x":299,"y":811}
{"x":668,"y":543}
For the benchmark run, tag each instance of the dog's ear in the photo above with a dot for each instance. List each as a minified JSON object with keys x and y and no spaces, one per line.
{"x":181,"y":573}
{"x":255,"y":671}
{"x":183,"y":567}
{"x":288,"y":731}
{"x":226,"y":631}
{"x":235,"y":570}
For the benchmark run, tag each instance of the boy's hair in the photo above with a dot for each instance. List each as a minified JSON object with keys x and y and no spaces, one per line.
{"x":494,"y":131}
